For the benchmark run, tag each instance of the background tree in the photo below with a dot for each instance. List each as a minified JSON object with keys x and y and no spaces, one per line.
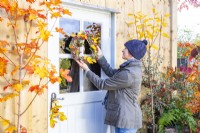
{"x":20,"y":58}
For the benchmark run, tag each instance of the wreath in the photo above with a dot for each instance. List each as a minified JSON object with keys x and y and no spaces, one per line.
{"x":83,"y":45}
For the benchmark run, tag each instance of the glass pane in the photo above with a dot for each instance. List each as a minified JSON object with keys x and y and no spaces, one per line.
{"x":88,"y":86}
{"x":94,"y":30}
{"x":65,"y":86}
{"x":69,"y":26}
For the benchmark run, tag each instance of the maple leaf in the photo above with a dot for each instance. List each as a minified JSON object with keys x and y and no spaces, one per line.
{"x":30,"y":1}
{"x":15,"y":70}
{"x":3,"y":64}
{"x":52,"y":78}
{"x":60,"y":30}
{"x":55,"y":2}
{"x":34,"y":88}
{"x":44,"y":34}
{"x":17,"y":87}
{"x":7,"y":97}
{"x":65,"y":74}
{"x":42,"y":72}
{"x":30,"y":69}
{"x":55,"y":14}
{"x":10,"y":129}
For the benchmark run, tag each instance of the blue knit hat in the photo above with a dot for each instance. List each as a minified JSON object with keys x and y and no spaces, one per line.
{"x":137,"y":48}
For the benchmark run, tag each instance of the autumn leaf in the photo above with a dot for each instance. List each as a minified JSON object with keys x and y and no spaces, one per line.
{"x":10,"y":129}
{"x":5,"y":122}
{"x":154,"y":46}
{"x":165,"y":35}
{"x":55,"y":2}
{"x":30,"y":1}
{"x":3,"y":65}
{"x":34,"y":88}
{"x":7,"y":97}
{"x":65,"y":74}
{"x":30,"y":69}
{"x":15,"y":70}
{"x":55,"y":14}
{"x":42,"y":72}
{"x":60,"y":30}
{"x":17,"y":87}
{"x":1,"y":19}
{"x":44,"y":35}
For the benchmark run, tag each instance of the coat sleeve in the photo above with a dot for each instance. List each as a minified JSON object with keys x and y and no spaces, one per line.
{"x":118,"y":81}
{"x":109,"y":71}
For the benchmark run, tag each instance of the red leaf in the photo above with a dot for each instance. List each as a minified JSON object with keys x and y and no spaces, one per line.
{"x":34,"y":88}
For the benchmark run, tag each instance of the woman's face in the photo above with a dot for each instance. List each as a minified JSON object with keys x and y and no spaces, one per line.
{"x":125,"y":54}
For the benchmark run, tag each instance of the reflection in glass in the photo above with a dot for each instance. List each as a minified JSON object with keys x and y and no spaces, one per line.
{"x":67,"y":87}
{"x":88,"y":86}
{"x":69,"y":26}
{"x":94,"y":30}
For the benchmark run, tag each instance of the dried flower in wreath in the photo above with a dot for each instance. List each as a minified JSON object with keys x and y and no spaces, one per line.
{"x":78,"y":45}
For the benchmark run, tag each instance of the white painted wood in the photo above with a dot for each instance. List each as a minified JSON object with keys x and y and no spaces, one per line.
{"x":84,"y":110}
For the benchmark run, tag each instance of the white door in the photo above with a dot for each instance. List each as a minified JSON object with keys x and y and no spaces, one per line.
{"x":82,"y":102}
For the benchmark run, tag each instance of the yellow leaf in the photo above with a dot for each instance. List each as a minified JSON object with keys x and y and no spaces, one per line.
{"x":32,"y":17}
{"x":130,"y":14}
{"x":42,"y":72}
{"x":44,"y":35}
{"x":167,"y":15}
{"x":52,"y":123}
{"x":62,"y":116}
{"x":55,"y":14}
{"x":129,"y":23}
{"x":10,"y":129}
{"x":15,"y":70}
{"x":153,"y":10}
{"x":154,"y":47}
{"x":165,"y":35}
{"x":17,"y":87}
{"x":5,"y":122}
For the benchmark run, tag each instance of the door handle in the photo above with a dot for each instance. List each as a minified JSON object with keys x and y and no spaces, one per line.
{"x":54,"y":98}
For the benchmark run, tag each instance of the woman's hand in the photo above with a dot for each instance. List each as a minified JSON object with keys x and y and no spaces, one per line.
{"x":82,"y":65}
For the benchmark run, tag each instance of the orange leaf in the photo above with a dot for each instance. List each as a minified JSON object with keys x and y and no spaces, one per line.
{"x":60,"y":30}
{"x":55,"y":2}
{"x":30,"y":1}
{"x":34,"y":88}
{"x":3,"y":64}
{"x":65,"y":74}
{"x":1,"y":19}
{"x":15,"y":70}
{"x":55,"y":14}
{"x":30,"y":69}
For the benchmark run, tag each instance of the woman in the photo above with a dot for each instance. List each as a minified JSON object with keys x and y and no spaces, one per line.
{"x":123,"y":85}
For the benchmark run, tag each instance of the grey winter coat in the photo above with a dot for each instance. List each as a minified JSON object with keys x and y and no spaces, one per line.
{"x":123,"y":85}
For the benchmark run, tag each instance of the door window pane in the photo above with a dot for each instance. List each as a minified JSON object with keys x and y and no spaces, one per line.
{"x":69,"y":26}
{"x":67,"y":87}
{"x":94,"y":29}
